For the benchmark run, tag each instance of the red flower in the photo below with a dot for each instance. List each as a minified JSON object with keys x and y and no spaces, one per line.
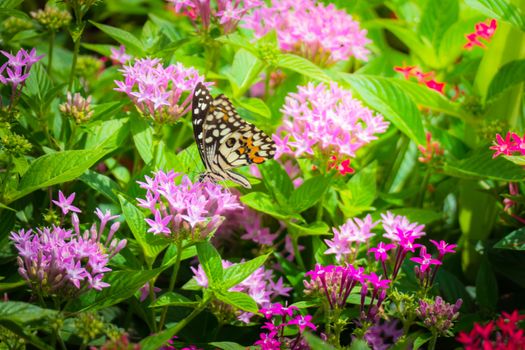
{"x":502,"y":146}
{"x":482,"y":30}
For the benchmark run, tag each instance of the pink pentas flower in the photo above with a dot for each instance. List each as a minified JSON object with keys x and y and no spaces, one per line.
{"x":505,"y":145}
{"x":354,"y":231}
{"x":119,"y":56}
{"x":380,"y":252}
{"x":443,"y":247}
{"x":183,"y":209}
{"x":425,"y":260}
{"x":484,"y":31}
{"x":319,"y":32}
{"x":398,"y":227}
{"x":65,"y":203}
{"x":158,"y":92}
{"x":226,"y":13}
{"x":58,"y":260}
{"x":17,"y":68}
{"x":325,"y":120}
{"x":303,"y":322}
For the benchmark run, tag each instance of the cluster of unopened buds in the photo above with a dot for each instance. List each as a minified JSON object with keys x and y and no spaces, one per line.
{"x":439,"y":315}
{"x":431,"y":150}
{"x":77,"y":107}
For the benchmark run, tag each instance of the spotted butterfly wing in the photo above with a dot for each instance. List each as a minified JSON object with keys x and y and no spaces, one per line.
{"x":224,"y":139}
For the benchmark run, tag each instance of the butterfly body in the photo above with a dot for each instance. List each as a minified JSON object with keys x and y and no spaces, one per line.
{"x":224,"y":140}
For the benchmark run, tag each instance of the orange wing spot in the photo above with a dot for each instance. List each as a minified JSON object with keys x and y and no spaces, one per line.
{"x":241,"y":150}
{"x":258,"y":160}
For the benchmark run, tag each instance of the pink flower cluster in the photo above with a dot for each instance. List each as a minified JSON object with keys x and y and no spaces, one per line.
{"x":259,"y":285}
{"x":325,"y":121}
{"x":427,"y":79}
{"x":56,"y":260}
{"x":316,"y":31}
{"x":280,"y":318}
{"x":17,"y":67}
{"x":482,"y":31}
{"x":511,"y":144}
{"x":335,"y":283}
{"x":156,"y":91}
{"x":228,"y":13}
{"x":185,"y":209}
{"x":402,"y":235}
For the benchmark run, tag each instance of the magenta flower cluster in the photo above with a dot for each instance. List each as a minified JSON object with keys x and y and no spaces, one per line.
{"x":259,"y":285}
{"x":402,"y":235}
{"x":227,"y":14}
{"x":279,"y":319}
{"x":182,"y":209}
{"x":335,"y":283}
{"x":316,"y":31}
{"x":325,"y":121}
{"x":510,"y":145}
{"x":157,"y":92}
{"x":16,"y":70}
{"x":58,"y":260}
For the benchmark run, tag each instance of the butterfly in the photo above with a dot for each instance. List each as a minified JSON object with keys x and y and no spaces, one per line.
{"x":224,"y":140}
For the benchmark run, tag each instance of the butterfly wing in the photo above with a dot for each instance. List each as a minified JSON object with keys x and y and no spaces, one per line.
{"x":200,"y":105}
{"x":227,"y":141}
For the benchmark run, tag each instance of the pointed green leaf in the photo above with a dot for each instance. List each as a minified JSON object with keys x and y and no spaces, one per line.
{"x":507,"y":76}
{"x":237,"y":273}
{"x":173,"y":299}
{"x":238,"y":300}
{"x":211,"y":263}
{"x":513,"y":241}
{"x":499,"y":9}
{"x":302,"y":66}
{"x":131,"y":42}
{"x":309,"y":193}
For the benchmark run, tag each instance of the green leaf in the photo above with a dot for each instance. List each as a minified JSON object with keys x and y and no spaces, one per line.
{"x":5,"y":12}
{"x":437,"y":17}
{"x":318,"y":228}
{"x":421,"y":340}
{"x":425,"y":97}
{"x":131,"y":42}
{"x":238,"y":300}
{"x":211,"y":263}
{"x":262,"y":202}
{"x":38,"y":82}
{"x":277,"y":182}
{"x":486,"y":286}
{"x":359,"y":344}
{"x":513,"y":241}
{"x":360,"y":192}
{"x":499,"y":9}
{"x":151,"y":244}
{"x":316,"y":343}
{"x":481,"y":165}
{"x":227,"y":345}
{"x":102,"y":49}
{"x":55,"y":168}
{"x":391,"y":101}
{"x":302,"y":66}
{"x":309,"y":193}
{"x":108,"y":134}
{"x":123,"y":284}
{"x":255,"y":105}
{"x":173,"y":299}
{"x":156,"y":341}
{"x":142,"y":134}
{"x":245,"y":69}
{"x":20,"y":312}
{"x":102,"y":184}
{"x":237,"y":273}
{"x":507,"y":76}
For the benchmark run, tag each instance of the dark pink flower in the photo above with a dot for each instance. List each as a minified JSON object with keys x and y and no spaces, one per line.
{"x":444,"y":247}
{"x":380,"y":252}
{"x":503,"y":146}
{"x":425,"y":260}
{"x":482,"y":31}
{"x":303,"y":322}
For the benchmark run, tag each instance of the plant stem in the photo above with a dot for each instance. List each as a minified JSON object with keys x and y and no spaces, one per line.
{"x":76,"y":39}
{"x":74,"y":64}
{"x":184,"y":322}
{"x":297,"y":252}
{"x":173,"y":279}
{"x":50,"y":53}
{"x":433,"y":341}
{"x":422,"y":189}
{"x":6,"y":177}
